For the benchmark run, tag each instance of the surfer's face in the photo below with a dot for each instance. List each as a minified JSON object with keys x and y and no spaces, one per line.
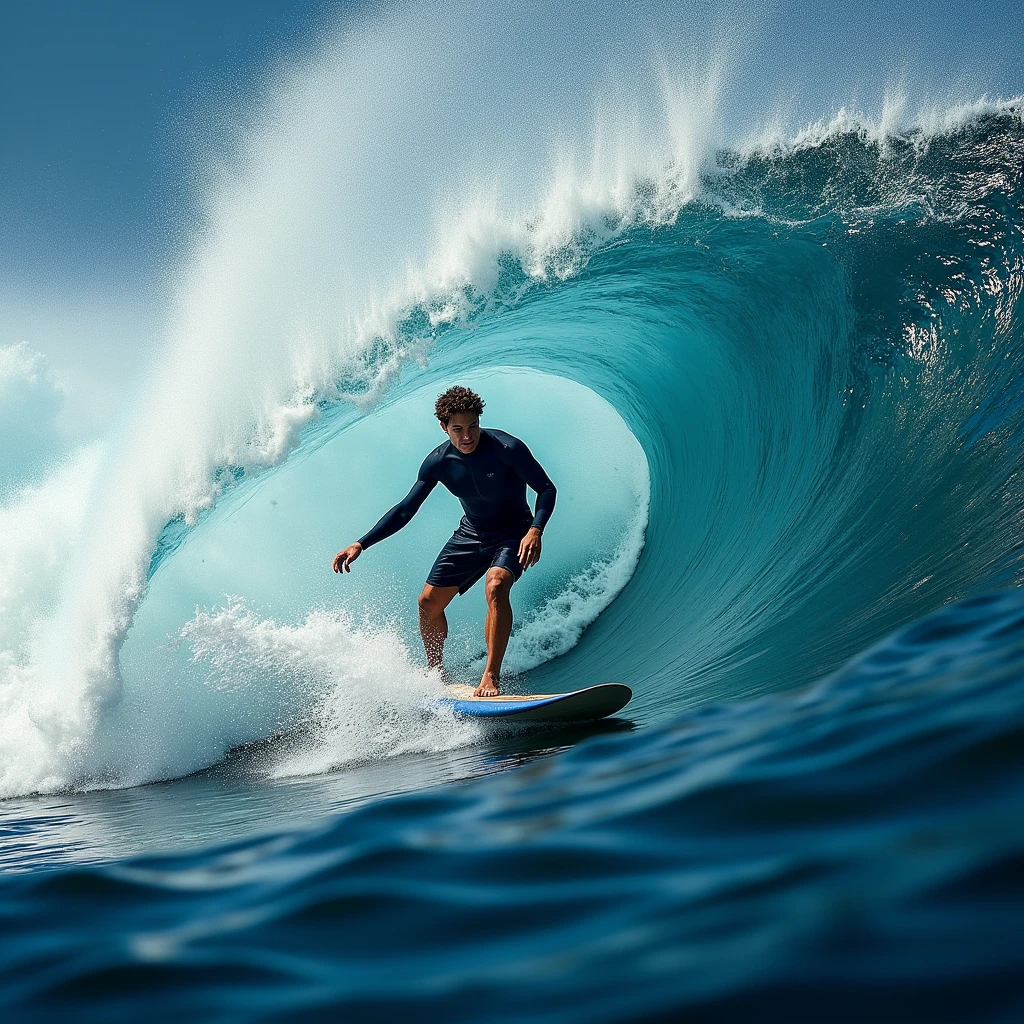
{"x":463,"y":431}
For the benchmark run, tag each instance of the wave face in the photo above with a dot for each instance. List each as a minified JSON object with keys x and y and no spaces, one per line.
{"x":799,"y":339}
{"x":822,"y":361}
{"x":808,"y":375}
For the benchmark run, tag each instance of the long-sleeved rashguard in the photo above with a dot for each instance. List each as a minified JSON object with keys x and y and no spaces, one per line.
{"x":490,"y":483}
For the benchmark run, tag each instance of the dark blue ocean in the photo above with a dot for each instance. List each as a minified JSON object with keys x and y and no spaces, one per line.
{"x":785,"y":417}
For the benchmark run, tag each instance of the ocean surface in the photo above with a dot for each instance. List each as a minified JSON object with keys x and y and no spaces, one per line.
{"x":780,"y":386}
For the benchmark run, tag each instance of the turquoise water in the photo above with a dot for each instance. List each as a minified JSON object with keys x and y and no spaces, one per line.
{"x":801,"y":548}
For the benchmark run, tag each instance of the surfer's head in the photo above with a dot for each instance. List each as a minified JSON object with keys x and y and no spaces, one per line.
{"x":458,"y":411}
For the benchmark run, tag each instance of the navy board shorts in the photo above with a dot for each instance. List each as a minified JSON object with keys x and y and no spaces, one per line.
{"x":470,"y":553}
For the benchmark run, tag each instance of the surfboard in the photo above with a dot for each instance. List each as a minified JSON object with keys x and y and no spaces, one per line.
{"x":576,"y":706}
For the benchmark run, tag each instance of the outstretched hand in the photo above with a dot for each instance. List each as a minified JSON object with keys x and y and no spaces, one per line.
{"x":529,"y":548}
{"x":343,"y":559}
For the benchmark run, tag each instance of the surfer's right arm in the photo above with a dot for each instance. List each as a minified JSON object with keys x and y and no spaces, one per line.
{"x":394,"y":519}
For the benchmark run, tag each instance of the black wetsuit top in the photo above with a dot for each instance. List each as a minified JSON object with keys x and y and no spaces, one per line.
{"x":490,"y":482}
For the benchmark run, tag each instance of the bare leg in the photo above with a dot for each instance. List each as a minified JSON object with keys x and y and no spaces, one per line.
{"x":433,"y":624}
{"x":497,"y":627}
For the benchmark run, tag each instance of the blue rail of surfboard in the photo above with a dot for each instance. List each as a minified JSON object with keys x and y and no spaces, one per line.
{"x":495,"y":708}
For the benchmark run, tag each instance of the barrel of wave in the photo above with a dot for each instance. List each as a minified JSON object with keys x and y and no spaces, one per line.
{"x":246,"y":632}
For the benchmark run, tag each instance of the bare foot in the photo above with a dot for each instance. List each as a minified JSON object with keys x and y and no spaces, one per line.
{"x":488,"y":686}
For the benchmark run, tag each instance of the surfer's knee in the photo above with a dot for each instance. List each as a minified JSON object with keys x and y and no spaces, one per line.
{"x":433,"y":601}
{"x":497,"y":585}
{"x":429,"y":604}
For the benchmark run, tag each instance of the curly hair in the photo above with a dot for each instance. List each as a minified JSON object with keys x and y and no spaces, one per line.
{"x":456,"y":400}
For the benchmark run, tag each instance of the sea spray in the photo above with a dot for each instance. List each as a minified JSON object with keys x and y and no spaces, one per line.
{"x":356,"y":692}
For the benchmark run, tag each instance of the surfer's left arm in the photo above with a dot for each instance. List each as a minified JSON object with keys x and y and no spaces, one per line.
{"x":530,"y":470}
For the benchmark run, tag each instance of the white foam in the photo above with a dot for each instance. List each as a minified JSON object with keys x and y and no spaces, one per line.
{"x":555,"y":626}
{"x":40,"y":527}
{"x":355,"y":689}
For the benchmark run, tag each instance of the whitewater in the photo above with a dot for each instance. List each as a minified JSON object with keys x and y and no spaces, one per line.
{"x":773,"y":363}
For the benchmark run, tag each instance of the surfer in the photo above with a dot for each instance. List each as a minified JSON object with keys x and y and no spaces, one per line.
{"x":498,"y":537}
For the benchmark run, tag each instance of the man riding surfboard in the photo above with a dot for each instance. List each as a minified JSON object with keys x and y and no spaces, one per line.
{"x":498,"y":537}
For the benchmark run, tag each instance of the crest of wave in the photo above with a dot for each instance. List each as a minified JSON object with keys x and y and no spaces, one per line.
{"x":896,"y":120}
{"x":393,"y":169}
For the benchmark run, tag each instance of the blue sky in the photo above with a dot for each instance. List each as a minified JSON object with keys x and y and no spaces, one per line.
{"x":103,"y":104}
{"x":107,"y":108}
